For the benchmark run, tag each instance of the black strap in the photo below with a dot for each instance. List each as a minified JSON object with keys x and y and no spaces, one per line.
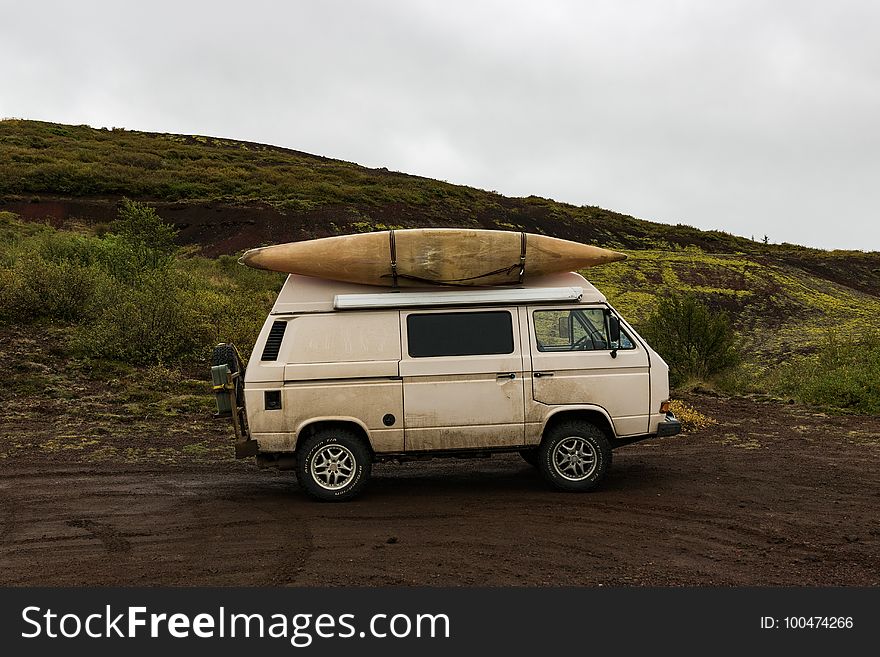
{"x":522,"y":257}
{"x":393,"y":259}
{"x":460,"y":281}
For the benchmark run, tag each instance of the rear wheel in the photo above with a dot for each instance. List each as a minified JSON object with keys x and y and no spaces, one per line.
{"x":574,"y":456}
{"x":333,"y":465}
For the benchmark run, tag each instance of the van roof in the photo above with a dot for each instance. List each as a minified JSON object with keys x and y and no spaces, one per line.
{"x":304,"y":294}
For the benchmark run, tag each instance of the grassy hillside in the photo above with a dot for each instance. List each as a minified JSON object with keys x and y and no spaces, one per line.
{"x":320,"y":196}
{"x":779,"y":309}
{"x":785,"y":301}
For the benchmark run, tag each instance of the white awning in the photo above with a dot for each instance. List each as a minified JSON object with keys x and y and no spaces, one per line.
{"x":458,"y":298}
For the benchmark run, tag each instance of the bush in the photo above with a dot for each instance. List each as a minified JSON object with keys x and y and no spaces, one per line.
{"x":844,"y":374}
{"x":139,"y":241}
{"x":157,"y":321}
{"x":694,"y":340}
{"x":127,"y":294}
{"x":65,"y":276}
{"x":36,"y":288}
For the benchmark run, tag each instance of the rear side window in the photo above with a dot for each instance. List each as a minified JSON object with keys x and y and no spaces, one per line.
{"x":459,"y":334}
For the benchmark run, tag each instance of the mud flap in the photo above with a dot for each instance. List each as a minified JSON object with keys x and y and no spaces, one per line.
{"x":246,"y":448}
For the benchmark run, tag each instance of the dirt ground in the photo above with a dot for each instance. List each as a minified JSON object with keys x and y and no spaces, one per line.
{"x":772,"y":495}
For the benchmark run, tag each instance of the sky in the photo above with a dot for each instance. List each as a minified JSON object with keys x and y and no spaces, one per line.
{"x":753,"y":117}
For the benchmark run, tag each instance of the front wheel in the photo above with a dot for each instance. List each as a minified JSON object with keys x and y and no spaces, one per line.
{"x":333,"y":465}
{"x":574,"y":456}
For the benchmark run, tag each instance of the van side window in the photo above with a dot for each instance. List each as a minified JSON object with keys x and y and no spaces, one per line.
{"x":459,"y":334}
{"x":575,"y":330}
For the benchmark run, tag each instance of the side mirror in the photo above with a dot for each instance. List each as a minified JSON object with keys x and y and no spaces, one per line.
{"x":614,"y":329}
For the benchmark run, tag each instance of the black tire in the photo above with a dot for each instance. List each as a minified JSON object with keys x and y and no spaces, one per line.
{"x":574,"y":456}
{"x":227,"y":354}
{"x":530,"y":456}
{"x":323,"y":447}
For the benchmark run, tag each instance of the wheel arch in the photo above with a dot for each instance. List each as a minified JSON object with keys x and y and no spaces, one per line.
{"x":309,"y":427}
{"x":593,"y":414}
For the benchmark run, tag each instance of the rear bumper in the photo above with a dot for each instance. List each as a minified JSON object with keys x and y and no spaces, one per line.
{"x":669,"y":427}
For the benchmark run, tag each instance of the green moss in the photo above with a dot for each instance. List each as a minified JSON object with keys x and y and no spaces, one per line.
{"x":778,"y":309}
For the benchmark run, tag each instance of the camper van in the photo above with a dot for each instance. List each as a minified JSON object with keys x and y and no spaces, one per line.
{"x":344,"y":375}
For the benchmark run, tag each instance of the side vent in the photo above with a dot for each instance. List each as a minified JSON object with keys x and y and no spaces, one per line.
{"x":273,"y":342}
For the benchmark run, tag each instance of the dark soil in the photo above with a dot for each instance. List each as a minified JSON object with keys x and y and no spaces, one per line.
{"x":221,"y":227}
{"x":772,"y":495}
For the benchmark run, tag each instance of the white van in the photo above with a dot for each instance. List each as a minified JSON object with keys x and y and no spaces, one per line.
{"x":343,"y":375}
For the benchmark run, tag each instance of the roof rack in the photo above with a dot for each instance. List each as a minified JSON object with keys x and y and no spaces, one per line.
{"x":458,"y":298}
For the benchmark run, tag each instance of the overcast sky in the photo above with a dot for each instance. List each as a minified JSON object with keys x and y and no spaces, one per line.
{"x":751,"y":117}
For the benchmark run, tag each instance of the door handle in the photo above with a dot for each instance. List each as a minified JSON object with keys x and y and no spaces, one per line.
{"x":538,"y":375}
{"x":506,"y":375}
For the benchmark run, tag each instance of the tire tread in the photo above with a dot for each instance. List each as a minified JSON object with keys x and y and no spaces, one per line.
{"x":582,"y":428}
{"x":344,"y":437}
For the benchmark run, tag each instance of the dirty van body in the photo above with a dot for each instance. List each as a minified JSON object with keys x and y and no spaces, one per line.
{"x":343,"y":375}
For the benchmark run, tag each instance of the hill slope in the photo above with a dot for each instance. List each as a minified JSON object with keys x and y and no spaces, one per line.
{"x":226,"y":195}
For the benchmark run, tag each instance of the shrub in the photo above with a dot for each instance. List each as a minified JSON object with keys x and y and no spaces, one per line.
{"x":61,"y":247}
{"x":139,"y":241}
{"x":36,"y":288}
{"x":235,"y":317}
{"x":156,"y":321}
{"x":844,"y":374}
{"x":65,"y":276}
{"x":694,"y":340}
{"x":128,"y":294}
